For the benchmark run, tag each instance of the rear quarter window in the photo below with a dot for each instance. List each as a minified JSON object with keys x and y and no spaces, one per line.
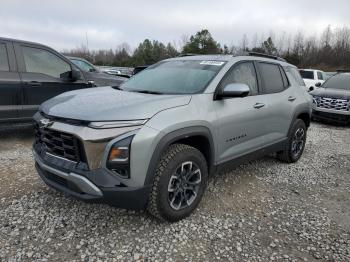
{"x":294,"y":75}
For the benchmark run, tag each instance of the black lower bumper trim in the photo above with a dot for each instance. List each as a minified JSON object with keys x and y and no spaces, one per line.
{"x":122,"y":197}
{"x":331,"y":117}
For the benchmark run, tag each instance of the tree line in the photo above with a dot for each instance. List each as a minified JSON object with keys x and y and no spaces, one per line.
{"x":328,"y":51}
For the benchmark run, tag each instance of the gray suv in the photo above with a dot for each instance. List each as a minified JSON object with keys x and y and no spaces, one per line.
{"x":154,"y":143}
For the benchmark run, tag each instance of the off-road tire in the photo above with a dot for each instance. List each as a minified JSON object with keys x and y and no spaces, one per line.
{"x":175,"y":155}
{"x":286,"y":154}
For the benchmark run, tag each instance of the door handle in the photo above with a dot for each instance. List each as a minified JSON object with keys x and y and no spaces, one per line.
{"x":259,"y":105}
{"x":33,"y":83}
{"x":291,"y":98}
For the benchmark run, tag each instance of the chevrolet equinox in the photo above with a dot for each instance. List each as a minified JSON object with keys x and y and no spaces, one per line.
{"x":153,"y":143}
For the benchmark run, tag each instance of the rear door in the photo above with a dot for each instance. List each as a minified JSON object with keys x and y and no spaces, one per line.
{"x":280,"y":99}
{"x":10,"y":85}
{"x":44,"y":74}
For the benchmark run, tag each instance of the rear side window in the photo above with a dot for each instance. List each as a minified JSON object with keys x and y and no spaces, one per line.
{"x":4,"y":61}
{"x":272,"y":78}
{"x":294,"y":73}
{"x":319,"y":76}
{"x":41,"y":61}
{"x":243,"y":73}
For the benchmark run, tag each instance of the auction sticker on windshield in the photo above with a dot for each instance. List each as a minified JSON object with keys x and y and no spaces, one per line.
{"x":214,"y":63}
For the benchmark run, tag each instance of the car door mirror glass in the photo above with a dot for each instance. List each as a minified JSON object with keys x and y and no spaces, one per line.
{"x":75,"y":75}
{"x":318,"y":84}
{"x":66,"y":75}
{"x":71,"y":75}
{"x":235,"y":90}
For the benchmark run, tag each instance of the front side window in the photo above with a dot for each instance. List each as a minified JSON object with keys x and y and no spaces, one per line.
{"x":272,"y":78}
{"x":307,"y":74}
{"x":340,"y":81}
{"x":243,"y":73}
{"x":4,"y":61}
{"x":319,"y":75}
{"x":83,"y":65}
{"x":174,"y":77}
{"x":44,"y":62}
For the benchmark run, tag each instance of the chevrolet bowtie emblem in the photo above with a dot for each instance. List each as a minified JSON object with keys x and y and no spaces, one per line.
{"x":45,"y":122}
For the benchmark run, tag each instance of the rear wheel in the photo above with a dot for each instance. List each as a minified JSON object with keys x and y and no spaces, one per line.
{"x":295,"y":145}
{"x":179,"y":183}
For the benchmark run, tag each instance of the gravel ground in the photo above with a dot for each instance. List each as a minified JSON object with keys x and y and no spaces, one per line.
{"x":261,"y":211}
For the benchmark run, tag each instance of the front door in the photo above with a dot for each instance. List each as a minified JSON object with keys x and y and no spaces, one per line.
{"x":10,"y":85}
{"x":242,"y":120}
{"x":44,"y":74}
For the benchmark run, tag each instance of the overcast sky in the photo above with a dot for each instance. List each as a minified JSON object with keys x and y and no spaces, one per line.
{"x":64,"y":24}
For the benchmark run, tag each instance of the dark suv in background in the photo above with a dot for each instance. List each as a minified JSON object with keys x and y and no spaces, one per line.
{"x":32,"y":73}
{"x":331,"y":101}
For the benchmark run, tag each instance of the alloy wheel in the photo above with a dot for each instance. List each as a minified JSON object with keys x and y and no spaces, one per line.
{"x":184,"y":185}
{"x":298,"y":142}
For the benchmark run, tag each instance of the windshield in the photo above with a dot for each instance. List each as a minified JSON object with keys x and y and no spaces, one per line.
{"x":83,"y":65}
{"x":340,"y":81}
{"x":307,"y":74}
{"x":174,"y":77}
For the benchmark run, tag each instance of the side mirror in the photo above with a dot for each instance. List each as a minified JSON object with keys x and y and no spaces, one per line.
{"x":318,"y":84}
{"x":234,"y":90}
{"x":75,"y":75}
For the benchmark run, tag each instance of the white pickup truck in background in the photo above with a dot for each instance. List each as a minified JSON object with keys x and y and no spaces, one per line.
{"x":312,"y":77}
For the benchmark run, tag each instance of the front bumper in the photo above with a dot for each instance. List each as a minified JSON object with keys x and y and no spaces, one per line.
{"x":80,"y":186}
{"x":331,"y":116}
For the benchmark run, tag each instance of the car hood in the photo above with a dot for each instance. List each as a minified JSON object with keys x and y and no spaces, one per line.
{"x":108,"y":104}
{"x":332,"y":93}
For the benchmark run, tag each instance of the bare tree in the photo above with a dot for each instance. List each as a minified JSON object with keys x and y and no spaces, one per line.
{"x":329,"y":50}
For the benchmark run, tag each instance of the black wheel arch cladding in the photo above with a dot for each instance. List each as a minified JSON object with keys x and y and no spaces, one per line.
{"x":178,"y":135}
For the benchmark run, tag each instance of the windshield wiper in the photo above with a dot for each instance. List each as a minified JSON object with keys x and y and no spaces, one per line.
{"x":147,"y":92}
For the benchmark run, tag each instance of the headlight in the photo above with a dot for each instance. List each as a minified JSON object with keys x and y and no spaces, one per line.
{"x":118,"y":160}
{"x":119,"y":154}
{"x":115,"y":124}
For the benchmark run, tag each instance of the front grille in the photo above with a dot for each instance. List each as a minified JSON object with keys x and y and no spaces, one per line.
{"x":59,"y":143}
{"x":332,"y":103}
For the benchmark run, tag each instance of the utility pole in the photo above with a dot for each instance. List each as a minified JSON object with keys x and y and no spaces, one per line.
{"x":87,"y":41}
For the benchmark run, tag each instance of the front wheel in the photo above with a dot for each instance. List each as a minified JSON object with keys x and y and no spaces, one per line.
{"x":179,"y":183}
{"x":295,"y":144}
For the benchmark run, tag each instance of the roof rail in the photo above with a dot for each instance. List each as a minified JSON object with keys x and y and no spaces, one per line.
{"x":187,"y":54}
{"x":266,"y":56}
